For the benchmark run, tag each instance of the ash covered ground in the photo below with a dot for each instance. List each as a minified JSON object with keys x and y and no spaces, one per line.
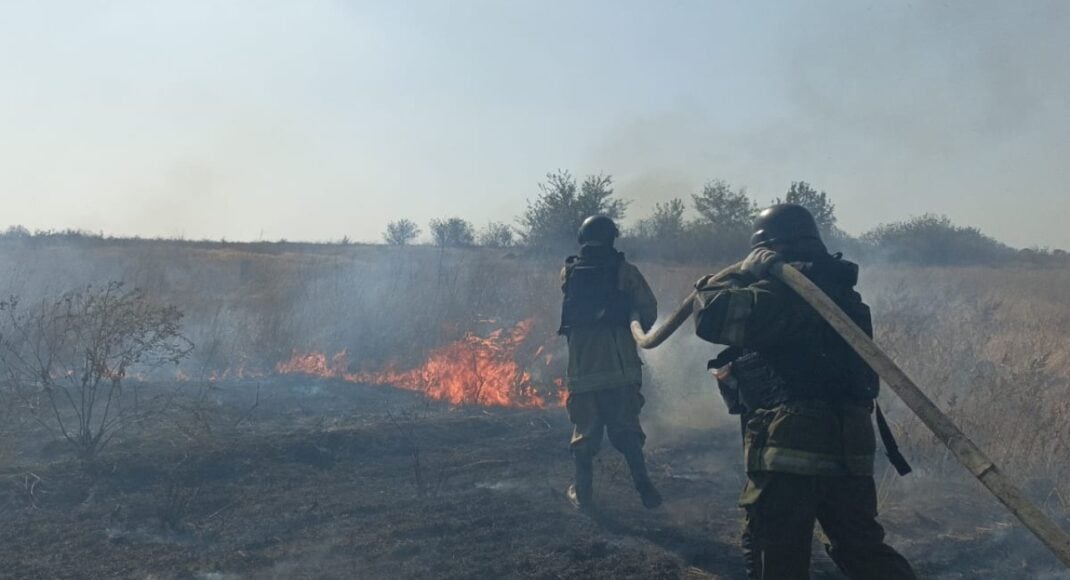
{"x":308,"y":478}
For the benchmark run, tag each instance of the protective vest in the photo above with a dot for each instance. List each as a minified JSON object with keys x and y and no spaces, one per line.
{"x":806,"y":378}
{"x":814,"y":365}
{"x":593,"y":296}
{"x":819,"y":364}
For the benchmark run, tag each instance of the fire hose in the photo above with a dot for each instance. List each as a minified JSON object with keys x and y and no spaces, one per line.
{"x":968,"y":454}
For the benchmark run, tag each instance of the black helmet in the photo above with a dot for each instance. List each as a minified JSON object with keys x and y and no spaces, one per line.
{"x":598,"y":228}
{"x":783,"y":223}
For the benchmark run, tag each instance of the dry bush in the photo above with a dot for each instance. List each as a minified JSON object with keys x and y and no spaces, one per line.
{"x":66,"y":360}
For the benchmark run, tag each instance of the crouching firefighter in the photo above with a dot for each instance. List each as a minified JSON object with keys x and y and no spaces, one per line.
{"x":604,"y":372}
{"x":806,"y":401}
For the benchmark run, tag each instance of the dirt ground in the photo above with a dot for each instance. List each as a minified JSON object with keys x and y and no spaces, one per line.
{"x":319,"y":479}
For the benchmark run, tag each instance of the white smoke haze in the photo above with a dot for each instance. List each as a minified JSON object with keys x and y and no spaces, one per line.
{"x":329,"y":119}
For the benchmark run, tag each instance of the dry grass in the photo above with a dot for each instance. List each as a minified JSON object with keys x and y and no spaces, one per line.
{"x":990,"y":345}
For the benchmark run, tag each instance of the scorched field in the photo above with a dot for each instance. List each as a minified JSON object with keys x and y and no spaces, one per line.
{"x":364,"y":412}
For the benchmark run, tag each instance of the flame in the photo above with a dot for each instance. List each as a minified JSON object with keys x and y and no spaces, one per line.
{"x":476,"y":370}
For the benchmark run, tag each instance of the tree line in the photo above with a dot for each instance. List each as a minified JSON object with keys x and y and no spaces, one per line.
{"x":714,"y":224}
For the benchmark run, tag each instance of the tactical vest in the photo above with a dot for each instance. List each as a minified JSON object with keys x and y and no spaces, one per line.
{"x":817,"y":364}
{"x":820,"y":365}
{"x":593,"y":296}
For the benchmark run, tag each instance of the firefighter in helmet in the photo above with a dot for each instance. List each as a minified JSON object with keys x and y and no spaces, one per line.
{"x":601,"y":291}
{"x":806,"y":401}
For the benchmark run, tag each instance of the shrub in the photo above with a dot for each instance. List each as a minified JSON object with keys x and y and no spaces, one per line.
{"x":67,"y":359}
{"x":934,"y":240}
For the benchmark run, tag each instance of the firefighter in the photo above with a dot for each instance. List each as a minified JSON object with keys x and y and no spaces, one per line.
{"x":806,"y":401}
{"x":601,"y":291}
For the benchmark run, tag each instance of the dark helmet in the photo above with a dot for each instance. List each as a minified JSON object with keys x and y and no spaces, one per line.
{"x":598,"y":228}
{"x":784,"y":223}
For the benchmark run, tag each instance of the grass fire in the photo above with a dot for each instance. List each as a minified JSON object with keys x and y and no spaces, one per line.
{"x":482,"y":371}
{"x":546,"y":290}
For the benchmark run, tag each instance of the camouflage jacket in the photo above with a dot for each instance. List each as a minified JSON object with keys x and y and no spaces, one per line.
{"x":607,"y":357}
{"x":806,"y":436}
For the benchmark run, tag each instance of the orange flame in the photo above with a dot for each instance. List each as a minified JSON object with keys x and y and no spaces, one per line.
{"x":472,"y":371}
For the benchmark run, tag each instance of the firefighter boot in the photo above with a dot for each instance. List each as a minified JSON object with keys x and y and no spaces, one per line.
{"x":637,"y":465}
{"x":581,"y":493}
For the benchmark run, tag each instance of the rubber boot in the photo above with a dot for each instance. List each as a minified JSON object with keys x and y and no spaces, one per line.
{"x":581,"y":493}
{"x":637,"y":465}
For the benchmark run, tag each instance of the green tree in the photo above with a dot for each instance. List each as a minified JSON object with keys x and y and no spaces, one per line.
{"x":401,"y":232}
{"x":663,"y":235}
{"x":496,"y":235}
{"x":723,"y":209}
{"x":933,"y":239}
{"x":666,"y":224}
{"x":453,"y":231}
{"x":818,"y":203}
{"x":552,"y":219}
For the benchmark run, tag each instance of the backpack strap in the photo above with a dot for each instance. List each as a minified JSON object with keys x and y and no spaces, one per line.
{"x":891,"y":448}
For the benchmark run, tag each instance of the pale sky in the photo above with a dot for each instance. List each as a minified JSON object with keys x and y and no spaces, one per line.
{"x":318,"y":119}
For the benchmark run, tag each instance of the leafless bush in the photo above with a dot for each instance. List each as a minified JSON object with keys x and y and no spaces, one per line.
{"x":176,"y":503}
{"x":66,"y":360}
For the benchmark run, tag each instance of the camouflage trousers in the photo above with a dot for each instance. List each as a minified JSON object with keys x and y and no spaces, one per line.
{"x":613,"y":412}
{"x":781,"y":509}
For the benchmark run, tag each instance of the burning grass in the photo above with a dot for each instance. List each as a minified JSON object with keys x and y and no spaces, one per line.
{"x":475,"y":370}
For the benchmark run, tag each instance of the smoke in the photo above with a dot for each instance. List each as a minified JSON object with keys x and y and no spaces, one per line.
{"x":894,"y":109}
{"x":329,"y":120}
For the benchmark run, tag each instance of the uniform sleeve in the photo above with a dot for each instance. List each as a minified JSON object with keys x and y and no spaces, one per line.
{"x":564,"y":275}
{"x":736,"y":310}
{"x":642,"y":297}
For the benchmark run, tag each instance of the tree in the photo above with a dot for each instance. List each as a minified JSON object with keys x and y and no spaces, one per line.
{"x":496,"y":235}
{"x":67,"y":358}
{"x":819,"y":204}
{"x":401,"y":232}
{"x":16,"y":231}
{"x":932,"y":239}
{"x":724,"y":209}
{"x":552,"y":220}
{"x":663,"y":235}
{"x":666,"y":225}
{"x":722,"y":231}
{"x":453,"y":231}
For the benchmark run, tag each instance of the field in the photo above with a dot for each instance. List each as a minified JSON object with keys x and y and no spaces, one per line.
{"x":253,"y":469}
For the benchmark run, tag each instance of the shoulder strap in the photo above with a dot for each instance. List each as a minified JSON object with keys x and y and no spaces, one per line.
{"x":891,"y":448}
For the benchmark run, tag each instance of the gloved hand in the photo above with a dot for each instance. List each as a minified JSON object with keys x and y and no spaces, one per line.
{"x":704,"y":281}
{"x":721,"y":276}
{"x":759,"y":261}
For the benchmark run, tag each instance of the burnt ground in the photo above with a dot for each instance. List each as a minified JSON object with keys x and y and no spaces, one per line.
{"x":332,"y":480}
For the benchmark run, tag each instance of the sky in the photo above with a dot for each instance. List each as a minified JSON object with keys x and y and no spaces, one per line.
{"x":314,"y":120}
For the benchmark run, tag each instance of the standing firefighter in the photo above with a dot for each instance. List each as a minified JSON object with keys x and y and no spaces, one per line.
{"x":604,"y":371}
{"x":806,"y":401}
